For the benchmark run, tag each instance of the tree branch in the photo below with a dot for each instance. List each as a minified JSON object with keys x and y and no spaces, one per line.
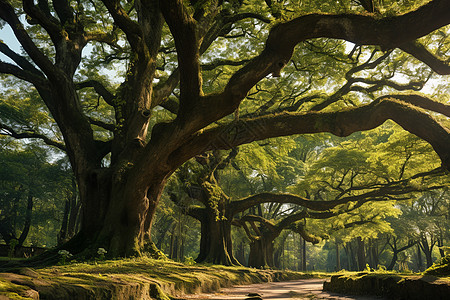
{"x":99,"y":89}
{"x":47,"y":21}
{"x":226,"y":62}
{"x":421,"y":53}
{"x":107,"y":126}
{"x":162,"y":91}
{"x":184,"y":30}
{"x":341,"y":123}
{"x":31,"y":77}
{"x":360,"y":29}
{"x":422,"y":102}
{"x":64,"y":12}
{"x":125,"y":23}
{"x":8,"y":14}
{"x":19,"y":59}
{"x":7,"y":130}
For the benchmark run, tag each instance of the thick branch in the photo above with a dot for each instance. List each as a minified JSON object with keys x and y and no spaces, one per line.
{"x":184,"y":31}
{"x":19,"y":59}
{"x":126,"y":24}
{"x":253,"y":218}
{"x":223,"y":62}
{"x":362,"y":30}
{"x":48,"y":22}
{"x":7,"y":13}
{"x":107,"y":126}
{"x":31,"y":77}
{"x":342,"y":123}
{"x":423,"y":102}
{"x":421,"y":53}
{"x":64,"y":11}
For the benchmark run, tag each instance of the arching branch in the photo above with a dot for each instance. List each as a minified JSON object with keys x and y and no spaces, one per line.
{"x":341,"y":123}
{"x":389,"y":33}
{"x":19,"y":60}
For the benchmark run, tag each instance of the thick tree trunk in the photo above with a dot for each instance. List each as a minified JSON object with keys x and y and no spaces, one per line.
{"x":215,"y":244}
{"x":261,"y":254}
{"x":117,"y":214}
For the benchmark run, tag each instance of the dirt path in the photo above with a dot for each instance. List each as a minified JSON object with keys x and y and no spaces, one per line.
{"x":297,"y":289}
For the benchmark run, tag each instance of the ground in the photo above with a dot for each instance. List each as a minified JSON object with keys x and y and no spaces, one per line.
{"x":296,"y":289}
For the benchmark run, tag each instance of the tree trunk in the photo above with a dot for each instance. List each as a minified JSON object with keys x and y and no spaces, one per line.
{"x":361,"y":255}
{"x":304,"y":256}
{"x":71,"y":215}
{"x":172,"y":243}
{"x":63,"y":231}
{"x":26,"y":226}
{"x":240,"y":254}
{"x":277,"y":257}
{"x":373,"y":252}
{"x":393,"y":260}
{"x":117,"y":214}
{"x":427,"y":249}
{"x":215,"y":244}
{"x":338,"y":258}
{"x":261,"y":254}
{"x":419,"y":259}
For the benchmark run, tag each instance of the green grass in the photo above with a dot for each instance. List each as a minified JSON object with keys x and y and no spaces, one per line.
{"x":128,"y":277}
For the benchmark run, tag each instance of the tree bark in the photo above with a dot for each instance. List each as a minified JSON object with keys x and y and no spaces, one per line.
{"x":361,"y":254}
{"x":215,"y":244}
{"x":419,"y":259}
{"x":27,"y":224}
{"x":261,"y":253}
{"x":338,"y":258}
{"x":304,"y":269}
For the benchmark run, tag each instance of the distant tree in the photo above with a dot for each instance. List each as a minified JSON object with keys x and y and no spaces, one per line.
{"x":28,"y":181}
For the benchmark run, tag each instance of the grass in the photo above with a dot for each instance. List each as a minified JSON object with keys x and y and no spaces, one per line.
{"x":132,"y":278}
{"x":140,"y":277}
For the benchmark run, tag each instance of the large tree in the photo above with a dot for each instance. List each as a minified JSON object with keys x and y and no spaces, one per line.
{"x":121,"y":176}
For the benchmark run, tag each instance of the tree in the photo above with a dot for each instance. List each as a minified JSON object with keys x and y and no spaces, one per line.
{"x":121,"y":174}
{"x":31,"y":187}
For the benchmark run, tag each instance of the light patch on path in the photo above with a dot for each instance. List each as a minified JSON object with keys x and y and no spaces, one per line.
{"x":305,"y":289}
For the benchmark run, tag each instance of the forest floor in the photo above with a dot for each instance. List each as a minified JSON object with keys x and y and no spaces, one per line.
{"x":145,"y":278}
{"x":141,"y":278}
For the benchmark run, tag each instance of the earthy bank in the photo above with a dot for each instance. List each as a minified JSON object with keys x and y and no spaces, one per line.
{"x":391,"y":286}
